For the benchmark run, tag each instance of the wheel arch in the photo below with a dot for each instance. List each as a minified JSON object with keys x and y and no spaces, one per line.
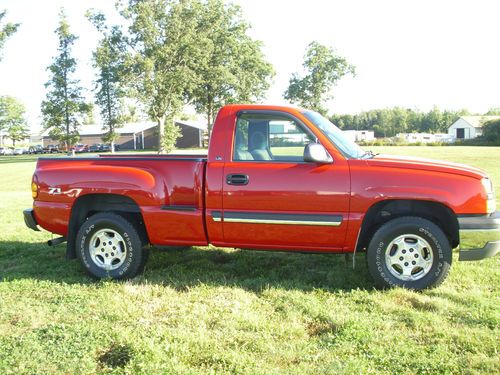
{"x":89,"y":204}
{"x":384,"y":211}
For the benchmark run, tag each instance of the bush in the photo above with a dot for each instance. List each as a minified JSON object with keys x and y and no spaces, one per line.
{"x":490,"y":137}
{"x":491,"y":132}
{"x":378,"y":142}
{"x":398,"y":142}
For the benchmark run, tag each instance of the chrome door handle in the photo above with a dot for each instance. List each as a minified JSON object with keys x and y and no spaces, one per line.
{"x":237,"y":179}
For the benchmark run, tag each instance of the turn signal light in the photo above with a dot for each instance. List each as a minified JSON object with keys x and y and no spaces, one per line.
{"x":34,"y":188}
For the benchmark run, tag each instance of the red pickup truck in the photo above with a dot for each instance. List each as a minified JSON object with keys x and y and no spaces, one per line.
{"x":275,"y":178}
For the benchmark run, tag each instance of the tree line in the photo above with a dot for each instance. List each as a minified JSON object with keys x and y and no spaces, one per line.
{"x":166,"y":54}
{"x":391,"y":121}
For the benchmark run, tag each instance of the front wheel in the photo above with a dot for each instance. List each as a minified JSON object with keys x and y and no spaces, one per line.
{"x":109,"y":246}
{"x":409,"y":252}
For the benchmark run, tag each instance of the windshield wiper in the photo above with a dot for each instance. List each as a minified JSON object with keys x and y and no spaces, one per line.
{"x":368,"y":155}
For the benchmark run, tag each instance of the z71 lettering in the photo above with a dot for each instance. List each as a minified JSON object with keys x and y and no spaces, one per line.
{"x":54,"y":190}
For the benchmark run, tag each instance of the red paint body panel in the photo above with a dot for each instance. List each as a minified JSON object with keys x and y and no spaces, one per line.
{"x":304,"y":188}
{"x":162,"y":186}
{"x":373,"y":181}
{"x":174,"y":227}
{"x":52,"y":216}
{"x":280,"y":188}
{"x":152,"y":184}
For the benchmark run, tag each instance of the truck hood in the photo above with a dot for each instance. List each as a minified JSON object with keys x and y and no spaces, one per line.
{"x":391,"y":161}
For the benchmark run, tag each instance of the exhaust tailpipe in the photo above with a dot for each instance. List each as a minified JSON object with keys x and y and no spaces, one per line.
{"x":56,"y":241}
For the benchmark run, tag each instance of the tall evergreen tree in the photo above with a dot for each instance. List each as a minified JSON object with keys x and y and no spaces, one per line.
{"x":64,"y":107}
{"x":109,"y":92}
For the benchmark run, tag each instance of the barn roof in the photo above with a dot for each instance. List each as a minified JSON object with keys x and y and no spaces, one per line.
{"x":202,"y":125}
{"x":130,"y":128}
{"x":478,"y":121}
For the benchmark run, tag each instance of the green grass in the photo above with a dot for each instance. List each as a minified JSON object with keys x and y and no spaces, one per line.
{"x":208,"y":310}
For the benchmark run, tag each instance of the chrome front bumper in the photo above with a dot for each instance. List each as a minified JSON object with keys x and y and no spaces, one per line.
{"x":490,"y":222}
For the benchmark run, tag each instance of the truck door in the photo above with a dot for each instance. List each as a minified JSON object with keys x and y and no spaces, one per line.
{"x":272,"y":198}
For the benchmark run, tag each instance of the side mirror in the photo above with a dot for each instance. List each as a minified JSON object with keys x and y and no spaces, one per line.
{"x":316,"y":153}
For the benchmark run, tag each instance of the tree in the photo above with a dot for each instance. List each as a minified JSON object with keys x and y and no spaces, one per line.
{"x":235,"y":68}
{"x":6,"y":30}
{"x":382,"y":123}
{"x":491,"y":131}
{"x":18,"y":132}
{"x":12,"y":119}
{"x":64,"y":108}
{"x":324,"y":68}
{"x":131,"y":112}
{"x":109,"y":92}
{"x":166,"y":44}
{"x":89,"y":115}
{"x":493,"y":112}
{"x":391,"y":121}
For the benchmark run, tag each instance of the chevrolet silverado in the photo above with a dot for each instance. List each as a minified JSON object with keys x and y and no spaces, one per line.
{"x":275,"y":178}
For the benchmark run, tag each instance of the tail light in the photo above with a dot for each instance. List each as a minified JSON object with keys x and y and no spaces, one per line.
{"x":34,"y":187}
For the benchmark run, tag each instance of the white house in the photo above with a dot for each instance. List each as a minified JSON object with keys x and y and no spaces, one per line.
{"x":359,"y":135}
{"x":445,"y":138}
{"x":468,"y":127}
{"x":426,"y":137}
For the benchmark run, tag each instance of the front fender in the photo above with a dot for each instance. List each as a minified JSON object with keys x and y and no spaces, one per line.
{"x":462,"y":194}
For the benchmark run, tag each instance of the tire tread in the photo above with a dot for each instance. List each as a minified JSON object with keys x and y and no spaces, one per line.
{"x":130,"y":228}
{"x":416,"y":221}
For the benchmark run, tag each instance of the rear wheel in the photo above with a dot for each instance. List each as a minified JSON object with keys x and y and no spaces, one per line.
{"x":108,"y":245}
{"x":409,"y":252}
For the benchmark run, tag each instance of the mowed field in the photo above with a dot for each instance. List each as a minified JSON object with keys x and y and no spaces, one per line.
{"x":209,"y":310}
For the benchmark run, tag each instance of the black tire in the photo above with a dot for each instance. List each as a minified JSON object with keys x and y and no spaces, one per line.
{"x":128,"y":241}
{"x":437,"y":258}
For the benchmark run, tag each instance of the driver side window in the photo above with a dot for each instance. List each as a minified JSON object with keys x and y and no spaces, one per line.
{"x":269,"y":137}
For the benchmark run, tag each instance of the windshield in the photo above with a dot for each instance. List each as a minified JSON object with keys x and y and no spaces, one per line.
{"x":336,"y":136}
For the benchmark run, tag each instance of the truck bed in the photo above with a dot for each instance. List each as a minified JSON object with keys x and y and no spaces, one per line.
{"x":168,"y":189}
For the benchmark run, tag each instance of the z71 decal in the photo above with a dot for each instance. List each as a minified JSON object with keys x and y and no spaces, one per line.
{"x":54,"y":190}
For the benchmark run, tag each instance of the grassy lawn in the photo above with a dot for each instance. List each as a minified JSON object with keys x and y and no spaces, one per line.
{"x":208,"y":310}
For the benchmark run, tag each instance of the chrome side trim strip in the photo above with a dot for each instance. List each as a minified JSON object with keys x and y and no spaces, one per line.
{"x":278,"y":218}
{"x":286,"y":222}
{"x":216,"y":216}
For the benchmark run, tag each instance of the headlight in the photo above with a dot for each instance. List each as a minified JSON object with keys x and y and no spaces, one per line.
{"x":490,"y":194}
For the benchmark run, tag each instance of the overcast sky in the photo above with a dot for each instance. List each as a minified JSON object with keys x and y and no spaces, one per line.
{"x":414,"y":54}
